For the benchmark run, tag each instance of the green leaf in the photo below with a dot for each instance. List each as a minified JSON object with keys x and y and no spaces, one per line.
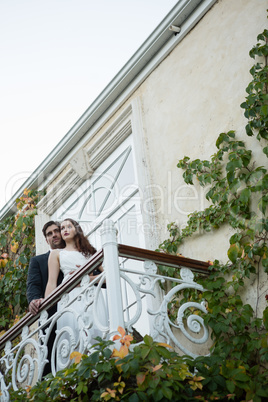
{"x":154,"y":356}
{"x":148,"y":340}
{"x":133,"y":398}
{"x":234,"y":164}
{"x":19,"y":222}
{"x":144,"y":351}
{"x":163,"y":352}
{"x":80,"y":387}
{"x":221,"y":327}
{"x":23,"y":259}
{"x":240,"y":376}
{"x":167,"y":392}
{"x":234,"y":252}
{"x":249,"y":130}
{"x":230,"y":176}
{"x":230,"y":386}
{"x":264,"y":110}
{"x":222,"y":138}
{"x":244,"y":105}
{"x":234,"y":186}
{"x":235,"y":238}
{"x":94,"y":357}
{"x":245,"y":195}
{"x":107,"y":353}
{"x":263,"y":203}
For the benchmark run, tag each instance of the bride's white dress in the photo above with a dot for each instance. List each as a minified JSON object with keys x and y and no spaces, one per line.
{"x":79,"y":314}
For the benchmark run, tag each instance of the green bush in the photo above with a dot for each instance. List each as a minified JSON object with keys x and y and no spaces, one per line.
{"x":149,"y":371}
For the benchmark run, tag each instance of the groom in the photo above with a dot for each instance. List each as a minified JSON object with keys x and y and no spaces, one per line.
{"x":38,"y":277}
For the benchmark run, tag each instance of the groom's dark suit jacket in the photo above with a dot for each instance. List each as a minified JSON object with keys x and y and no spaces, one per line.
{"x":36,"y":286}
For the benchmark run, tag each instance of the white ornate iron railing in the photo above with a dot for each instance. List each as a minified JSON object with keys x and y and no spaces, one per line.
{"x":133,"y":297}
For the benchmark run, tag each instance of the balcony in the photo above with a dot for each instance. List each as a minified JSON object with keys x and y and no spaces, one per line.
{"x":135,"y":297}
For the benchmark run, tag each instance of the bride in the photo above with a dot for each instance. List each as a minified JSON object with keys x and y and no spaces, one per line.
{"x":76,"y":253}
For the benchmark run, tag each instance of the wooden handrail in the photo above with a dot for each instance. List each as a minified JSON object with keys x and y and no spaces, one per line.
{"x":162,"y":258}
{"x":53,"y":298}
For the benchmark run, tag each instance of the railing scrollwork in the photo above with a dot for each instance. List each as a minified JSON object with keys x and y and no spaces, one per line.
{"x":23,"y":360}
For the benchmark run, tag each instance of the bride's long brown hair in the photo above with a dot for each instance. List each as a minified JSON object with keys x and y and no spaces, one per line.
{"x":81,"y":241}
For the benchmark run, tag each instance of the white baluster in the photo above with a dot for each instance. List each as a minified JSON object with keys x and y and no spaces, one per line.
{"x":111,"y":267}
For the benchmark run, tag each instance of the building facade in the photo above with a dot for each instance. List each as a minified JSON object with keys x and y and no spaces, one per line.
{"x":173,"y":98}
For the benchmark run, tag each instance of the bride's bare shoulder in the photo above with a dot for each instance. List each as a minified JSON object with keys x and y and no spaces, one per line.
{"x":54,"y":253}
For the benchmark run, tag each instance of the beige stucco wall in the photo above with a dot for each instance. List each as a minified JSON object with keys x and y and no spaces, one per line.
{"x":193,"y":96}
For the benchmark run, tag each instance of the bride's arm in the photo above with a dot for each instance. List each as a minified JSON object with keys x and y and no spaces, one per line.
{"x":53,"y":271}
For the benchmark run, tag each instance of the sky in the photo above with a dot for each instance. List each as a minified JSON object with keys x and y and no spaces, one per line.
{"x":56,"y":58}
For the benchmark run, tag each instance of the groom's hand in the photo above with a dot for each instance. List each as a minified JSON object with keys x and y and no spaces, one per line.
{"x":34,"y":306}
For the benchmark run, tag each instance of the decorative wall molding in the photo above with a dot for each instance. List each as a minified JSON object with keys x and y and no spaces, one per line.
{"x":59,"y":192}
{"x":110,"y":139}
{"x":82,"y":165}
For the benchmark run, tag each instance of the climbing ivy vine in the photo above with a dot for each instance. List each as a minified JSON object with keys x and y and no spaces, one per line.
{"x":17,"y":246}
{"x":238,"y":195}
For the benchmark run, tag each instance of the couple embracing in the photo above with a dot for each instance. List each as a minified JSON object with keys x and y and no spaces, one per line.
{"x":70,"y":250}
